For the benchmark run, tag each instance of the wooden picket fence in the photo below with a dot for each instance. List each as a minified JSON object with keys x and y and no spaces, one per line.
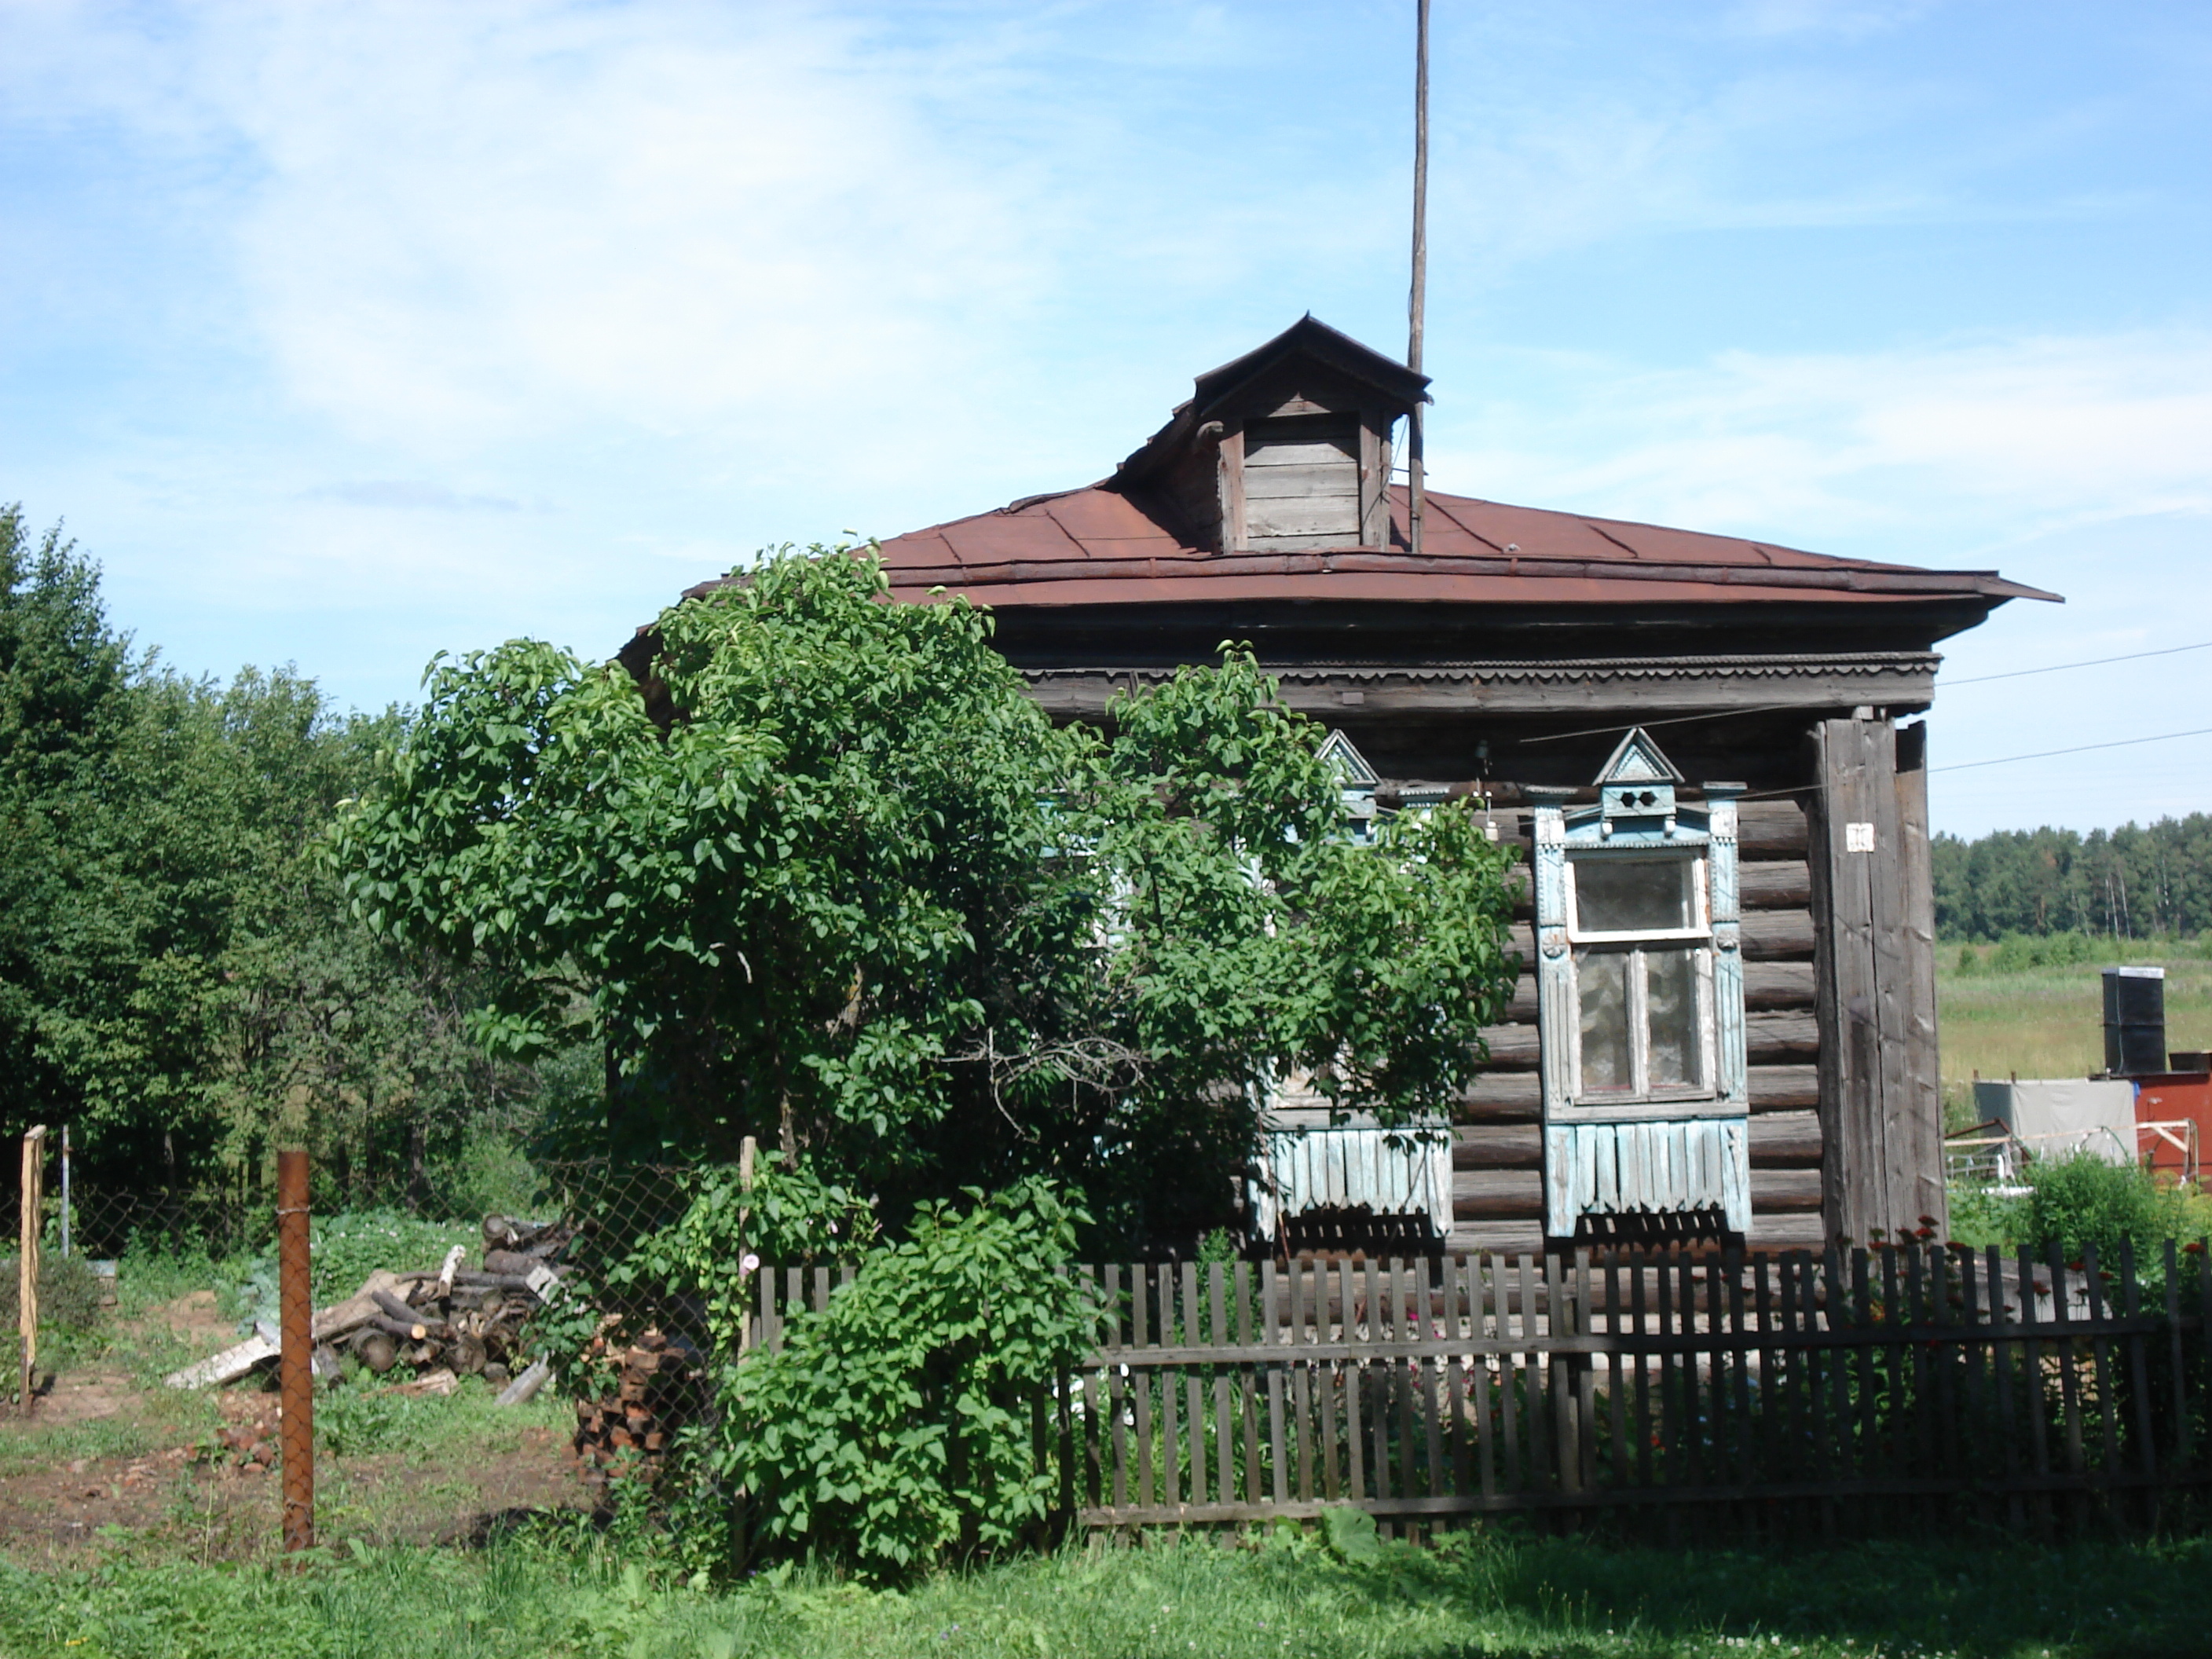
{"x":1792,"y":1390}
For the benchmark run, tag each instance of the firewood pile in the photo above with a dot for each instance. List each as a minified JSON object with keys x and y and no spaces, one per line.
{"x":656,"y":1387}
{"x":440,"y":1322}
{"x":467,"y":1321}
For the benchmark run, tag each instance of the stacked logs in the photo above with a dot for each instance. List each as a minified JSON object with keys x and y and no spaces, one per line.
{"x":467,"y":1321}
{"x":656,"y":1387}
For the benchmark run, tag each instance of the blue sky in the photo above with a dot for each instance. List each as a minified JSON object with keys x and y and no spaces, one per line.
{"x":344,"y":334}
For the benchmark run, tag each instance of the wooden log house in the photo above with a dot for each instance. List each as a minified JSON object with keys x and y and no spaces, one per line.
{"x":1775,"y":696}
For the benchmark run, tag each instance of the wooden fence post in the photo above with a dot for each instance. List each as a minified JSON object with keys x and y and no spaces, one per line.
{"x":27,"y":1262}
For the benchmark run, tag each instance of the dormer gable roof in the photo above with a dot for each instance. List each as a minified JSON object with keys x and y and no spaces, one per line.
{"x":1636,"y":759}
{"x":1308,"y":340}
{"x":1224,"y":393}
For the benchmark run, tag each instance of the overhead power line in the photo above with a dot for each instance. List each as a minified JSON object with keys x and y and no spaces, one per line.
{"x":2093,"y":662}
{"x":2078,"y":749}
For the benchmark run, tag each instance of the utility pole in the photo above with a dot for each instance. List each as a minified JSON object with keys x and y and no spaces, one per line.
{"x":1416,"y":302}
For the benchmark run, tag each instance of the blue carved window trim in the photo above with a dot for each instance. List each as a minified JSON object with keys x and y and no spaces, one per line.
{"x":1678,"y":1148}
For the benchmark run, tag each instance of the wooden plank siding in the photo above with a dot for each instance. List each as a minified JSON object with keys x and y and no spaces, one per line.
{"x":1497,"y":1151}
{"x":1302,"y":480}
{"x":1875,"y":971}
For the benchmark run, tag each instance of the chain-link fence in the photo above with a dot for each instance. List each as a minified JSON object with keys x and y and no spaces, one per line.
{"x":609,"y":1201}
{"x":553,"y":1277}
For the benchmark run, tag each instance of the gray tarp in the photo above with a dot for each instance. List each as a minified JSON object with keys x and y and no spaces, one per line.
{"x":2056,"y":1117}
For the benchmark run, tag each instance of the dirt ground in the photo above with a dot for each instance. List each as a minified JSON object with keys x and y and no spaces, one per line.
{"x":108,"y":1461}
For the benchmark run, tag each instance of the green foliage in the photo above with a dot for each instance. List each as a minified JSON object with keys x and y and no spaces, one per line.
{"x":486,"y":1174}
{"x":68,"y":1293}
{"x":2084,"y":1203}
{"x":704,"y":1260}
{"x":179,"y":980}
{"x":1982,"y":1217}
{"x":351,"y":1421}
{"x":2129,"y":882}
{"x":2024,"y":953}
{"x":771,"y":906}
{"x":896,"y":1429}
{"x":851,"y":893}
{"x":1351,"y":1533}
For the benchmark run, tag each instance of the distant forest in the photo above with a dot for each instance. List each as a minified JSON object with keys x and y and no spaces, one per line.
{"x":2130,"y":883}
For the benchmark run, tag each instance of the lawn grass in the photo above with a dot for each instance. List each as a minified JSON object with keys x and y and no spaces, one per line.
{"x":1494,"y":1593}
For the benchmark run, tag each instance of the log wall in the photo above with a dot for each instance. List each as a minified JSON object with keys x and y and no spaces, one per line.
{"x":1497,"y":1186}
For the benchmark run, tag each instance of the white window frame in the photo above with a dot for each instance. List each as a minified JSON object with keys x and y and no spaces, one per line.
{"x":1629,"y":944}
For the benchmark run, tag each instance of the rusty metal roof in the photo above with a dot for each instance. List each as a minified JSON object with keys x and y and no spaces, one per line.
{"x":1098,"y":547}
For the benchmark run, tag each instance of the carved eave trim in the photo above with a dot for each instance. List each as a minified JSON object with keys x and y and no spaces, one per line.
{"x":1899,"y":682}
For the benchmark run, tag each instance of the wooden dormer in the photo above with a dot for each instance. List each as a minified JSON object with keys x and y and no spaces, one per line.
{"x":1286,"y":449}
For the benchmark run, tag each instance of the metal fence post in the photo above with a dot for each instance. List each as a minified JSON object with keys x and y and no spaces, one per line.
{"x":296,"y":1313}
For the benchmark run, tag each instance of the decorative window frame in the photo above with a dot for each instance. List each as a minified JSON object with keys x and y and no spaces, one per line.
{"x":1656,"y":1152}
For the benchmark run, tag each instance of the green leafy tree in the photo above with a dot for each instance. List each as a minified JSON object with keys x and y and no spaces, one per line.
{"x":180,"y":979}
{"x":831,"y":879}
{"x":2130,"y":883}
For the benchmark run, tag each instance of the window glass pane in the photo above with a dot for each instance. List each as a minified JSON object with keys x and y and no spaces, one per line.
{"x":1670,"y":992}
{"x":1601,"y":979}
{"x":1634,"y":895}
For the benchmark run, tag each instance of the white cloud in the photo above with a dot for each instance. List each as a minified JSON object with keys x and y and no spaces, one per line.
{"x":1992,"y":439}
{"x":480,"y":225}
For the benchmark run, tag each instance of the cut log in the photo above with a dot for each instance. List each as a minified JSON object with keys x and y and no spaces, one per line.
{"x":395,"y":1309}
{"x":527,"y":1385}
{"x":342,"y":1318}
{"x":376,"y":1350}
{"x":473,"y":1277}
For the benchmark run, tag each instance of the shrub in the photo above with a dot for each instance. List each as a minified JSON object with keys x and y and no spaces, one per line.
{"x":2082,"y":1203}
{"x":68,"y":1293}
{"x":899,"y":1427}
{"x":488,"y":1174}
